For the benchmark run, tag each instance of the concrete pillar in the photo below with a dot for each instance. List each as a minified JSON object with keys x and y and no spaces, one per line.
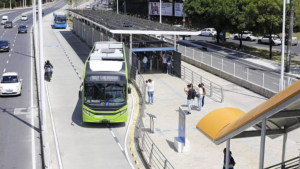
{"x":262,"y":144}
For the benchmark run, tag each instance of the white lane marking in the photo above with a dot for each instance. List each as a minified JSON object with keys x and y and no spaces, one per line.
{"x":13,"y":44}
{"x":113,"y":133}
{"x":11,"y":50}
{"x":9,"y":55}
{"x":14,"y":41}
{"x":4,"y":69}
{"x":120,"y":146}
{"x":127,"y":132}
{"x":7,"y":61}
{"x":32,"y":115}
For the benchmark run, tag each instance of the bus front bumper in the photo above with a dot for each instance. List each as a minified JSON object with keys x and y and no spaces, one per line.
{"x":94,"y":118}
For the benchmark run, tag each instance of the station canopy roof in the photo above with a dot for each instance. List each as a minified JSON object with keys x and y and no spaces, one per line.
{"x":126,"y":24}
{"x":282,"y":113}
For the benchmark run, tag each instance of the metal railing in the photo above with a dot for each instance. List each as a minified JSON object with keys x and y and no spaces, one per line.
{"x":212,"y":90}
{"x":289,"y":164}
{"x":258,"y":77}
{"x":152,"y":156}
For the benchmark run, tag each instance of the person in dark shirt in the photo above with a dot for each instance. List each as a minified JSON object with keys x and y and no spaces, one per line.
{"x":190,"y":94}
{"x":204,"y":93}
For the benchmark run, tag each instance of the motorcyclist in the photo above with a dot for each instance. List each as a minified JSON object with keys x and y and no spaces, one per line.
{"x":48,"y":64}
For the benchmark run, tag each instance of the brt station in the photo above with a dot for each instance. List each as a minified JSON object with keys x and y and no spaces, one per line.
{"x":141,"y":37}
{"x":275,"y":117}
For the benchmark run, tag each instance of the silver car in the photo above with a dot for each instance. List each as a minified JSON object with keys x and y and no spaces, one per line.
{"x":276,"y":40}
{"x":294,"y":41}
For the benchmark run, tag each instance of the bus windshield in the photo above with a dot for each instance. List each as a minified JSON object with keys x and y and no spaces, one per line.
{"x":60,"y":19}
{"x":99,"y":94}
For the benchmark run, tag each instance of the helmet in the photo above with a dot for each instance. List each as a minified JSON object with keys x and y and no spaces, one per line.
{"x":48,"y":61}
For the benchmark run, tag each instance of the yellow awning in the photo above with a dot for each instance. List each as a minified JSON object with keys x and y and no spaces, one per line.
{"x":216,"y":120}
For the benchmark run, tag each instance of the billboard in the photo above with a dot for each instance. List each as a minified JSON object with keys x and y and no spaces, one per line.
{"x":166,"y":8}
{"x":178,"y":8}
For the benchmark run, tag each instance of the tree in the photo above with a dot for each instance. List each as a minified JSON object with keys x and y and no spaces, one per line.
{"x":268,"y":14}
{"x":239,"y":19}
{"x":214,"y":12}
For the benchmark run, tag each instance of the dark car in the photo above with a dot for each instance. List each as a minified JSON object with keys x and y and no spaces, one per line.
{"x":4,"y":45}
{"x":22,"y":29}
{"x":8,"y":24}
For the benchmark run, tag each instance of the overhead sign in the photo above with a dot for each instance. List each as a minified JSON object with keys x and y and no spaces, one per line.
{"x":181,"y":125}
{"x":178,"y":8}
{"x":166,"y":8}
{"x":104,"y":78}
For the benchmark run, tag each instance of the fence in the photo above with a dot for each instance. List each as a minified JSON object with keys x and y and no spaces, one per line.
{"x":213,"y":90}
{"x":260,"y":78}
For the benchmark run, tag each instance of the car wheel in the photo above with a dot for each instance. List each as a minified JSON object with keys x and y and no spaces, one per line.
{"x":210,"y":35}
{"x":248,"y":39}
{"x":273,"y":44}
{"x":235,"y":38}
{"x":259,"y":41}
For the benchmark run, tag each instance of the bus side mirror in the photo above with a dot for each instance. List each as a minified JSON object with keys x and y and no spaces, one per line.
{"x":80,"y":94}
{"x":129,"y":90}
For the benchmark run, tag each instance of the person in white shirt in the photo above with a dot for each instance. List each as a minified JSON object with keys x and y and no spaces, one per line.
{"x":145,"y":60}
{"x":150,"y":86}
{"x":199,"y":96}
{"x":164,"y":58}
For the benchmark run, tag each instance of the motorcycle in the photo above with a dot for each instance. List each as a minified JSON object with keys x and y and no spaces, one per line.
{"x":48,"y":73}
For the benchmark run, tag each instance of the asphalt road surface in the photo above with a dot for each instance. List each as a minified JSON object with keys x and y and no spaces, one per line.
{"x":19,"y":124}
{"x":295,"y":49}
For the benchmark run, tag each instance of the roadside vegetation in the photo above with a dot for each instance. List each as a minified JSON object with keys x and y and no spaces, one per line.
{"x":260,"y":16}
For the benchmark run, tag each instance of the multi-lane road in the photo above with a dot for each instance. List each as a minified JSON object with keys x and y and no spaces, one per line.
{"x":19,"y":123}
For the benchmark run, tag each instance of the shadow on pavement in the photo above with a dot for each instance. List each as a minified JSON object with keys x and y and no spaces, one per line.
{"x":77,"y":119}
{"x":171,"y":144}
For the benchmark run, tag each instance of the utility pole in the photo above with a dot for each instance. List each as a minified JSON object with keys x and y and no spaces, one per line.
{"x":282,"y":49}
{"x":10,"y":4}
{"x":289,"y":45}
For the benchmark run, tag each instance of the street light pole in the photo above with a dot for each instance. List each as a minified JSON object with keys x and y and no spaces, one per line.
{"x":282,"y":48}
{"x":291,"y":25}
{"x":117,"y":6}
{"x":10,"y":4}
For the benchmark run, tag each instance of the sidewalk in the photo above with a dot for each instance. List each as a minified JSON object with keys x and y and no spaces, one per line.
{"x":169,"y":96}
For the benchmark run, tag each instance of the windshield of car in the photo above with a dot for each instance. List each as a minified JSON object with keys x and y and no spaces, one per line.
{"x":213,"y":29}
{"x":96,"y":94}
{"x":3,"y":43}
{"x":9,"y":79}
{"x":22,"y":26}
{"x":8,"y":22}
{"x":4,"y":19}
{"x":60,"y":19}
{"x":276,"y":37}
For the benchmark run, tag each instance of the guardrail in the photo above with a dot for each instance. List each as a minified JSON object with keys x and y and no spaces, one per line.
{"x":289,"y":164}
{"x":260,"y":78}
{"x":152,"y":156}
{"x":212,"y":89}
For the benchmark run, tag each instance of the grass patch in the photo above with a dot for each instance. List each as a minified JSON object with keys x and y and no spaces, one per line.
{"x":262,"y":53}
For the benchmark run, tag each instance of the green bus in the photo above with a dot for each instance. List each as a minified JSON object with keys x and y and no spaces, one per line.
{"x":104,"y":90}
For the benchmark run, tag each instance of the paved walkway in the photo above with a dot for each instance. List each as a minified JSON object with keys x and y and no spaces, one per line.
{"x":169,"y":96}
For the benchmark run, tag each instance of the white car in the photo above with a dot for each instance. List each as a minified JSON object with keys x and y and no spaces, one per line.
{"x":88,"y":7}
{"x":24,"y":18}
{"x":208,"y":32}
{"x":247,"y":35}
{"x":10,"y":84}
{"x":276,"y":40}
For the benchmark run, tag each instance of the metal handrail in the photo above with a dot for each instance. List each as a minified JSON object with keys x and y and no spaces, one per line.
{"x":214,"y":90}
{"x":296,"y":159}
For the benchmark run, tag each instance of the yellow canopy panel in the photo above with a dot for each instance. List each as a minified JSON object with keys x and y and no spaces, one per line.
{"x":261,"y":109}
{"x":215,"y":121}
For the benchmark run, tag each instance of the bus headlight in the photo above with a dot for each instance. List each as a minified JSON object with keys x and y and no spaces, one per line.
{"x":86,"y":111}
{"x":122,"y":112}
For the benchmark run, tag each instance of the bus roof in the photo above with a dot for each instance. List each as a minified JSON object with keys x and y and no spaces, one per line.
{"x":106,"y":57}
{"x":59,"y":13}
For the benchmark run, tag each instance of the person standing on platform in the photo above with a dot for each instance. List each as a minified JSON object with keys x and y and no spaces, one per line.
{"x":150,"y":86}
{"x":194,"y":95}
{"x":204,"y":93}
{"x":231,"y":160}
{"x":145,"y":61}
{"x":164,"y":58}
{"x":189,"y":94}
{"x":200,"y":97}
{"x":169,"y":65}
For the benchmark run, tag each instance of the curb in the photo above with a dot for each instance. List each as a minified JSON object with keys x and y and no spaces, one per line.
{"x":131,"y":144}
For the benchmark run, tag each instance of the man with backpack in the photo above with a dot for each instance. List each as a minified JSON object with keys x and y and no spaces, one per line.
{"x":190,"y":95}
